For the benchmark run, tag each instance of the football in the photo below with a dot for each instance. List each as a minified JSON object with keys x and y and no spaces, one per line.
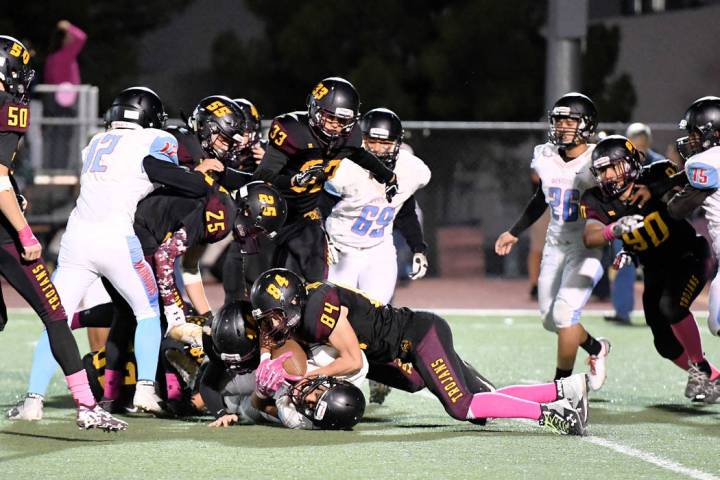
{"x":297,"y":363}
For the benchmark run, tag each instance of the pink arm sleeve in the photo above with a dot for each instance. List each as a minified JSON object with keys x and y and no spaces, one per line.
{"x":73,"y":49}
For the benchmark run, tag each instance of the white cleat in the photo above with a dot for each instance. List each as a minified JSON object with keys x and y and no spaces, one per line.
{"x":598,"y":374}
{"x":96,"y":417}
{"x":145,"y":399}
{"x":560,"y":417}
{"x":575,"y":390}
{"x":29,"y":408}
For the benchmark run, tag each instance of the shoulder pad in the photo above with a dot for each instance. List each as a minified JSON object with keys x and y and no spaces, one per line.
{"x":658,"y":170}
{"x":290,"y":133}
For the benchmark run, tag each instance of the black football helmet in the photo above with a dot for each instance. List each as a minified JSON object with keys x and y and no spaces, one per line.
{"x":261,"y":210}
{"x":15,"y":72}
{"x":702,"y":123}
{"x":220,"y":115}
{"x":139,"y":106}
{"x":383,"y":124}
{"x":618,"y":153}
{"x":278,"y":297}
{"x":576,"y":106}
{"x":339,"y":406}
{"x":333,"y":100}
{"x":252,"y":115}
{"x":235,"y":337}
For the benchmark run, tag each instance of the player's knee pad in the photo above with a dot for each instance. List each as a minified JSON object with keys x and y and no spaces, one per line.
{"x":548,"y":322}
{"x":563,"y":315}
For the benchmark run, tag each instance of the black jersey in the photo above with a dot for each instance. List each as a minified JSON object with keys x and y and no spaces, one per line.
{"x":14,"y":121}
{"x":190,"y":153}
{"x":379,"y":328}
{"x":294,"y":147}
{"x":661,"y":237}
{"x":206,"y":220}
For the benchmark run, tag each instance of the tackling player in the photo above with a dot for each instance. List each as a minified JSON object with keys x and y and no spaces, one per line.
{"x":321,"y":312}
{"x":674,"y":258}
{"x":305,"y":149}
{"x":20,"y":260}
{"x":569,"y":270}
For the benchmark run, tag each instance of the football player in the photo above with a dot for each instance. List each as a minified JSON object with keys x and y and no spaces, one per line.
{"x":360,"y":225}
{"x":321,"y":312}
{"x":674,"y":258}
{"x":20,"y":260}
{"x":239,"y":269}
{"x":227,"y":382}
{"x":305,"y":149}
{"x":120,"y":167}
{"x":167,"y":225}
{"x":569,"y":270}
{"x":361,"y":222}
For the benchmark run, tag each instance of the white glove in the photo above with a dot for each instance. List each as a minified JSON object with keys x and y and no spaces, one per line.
{"x":174,"y":316}
{"x":623,"y":259}
{"x":419,"y":266}
{"x":626,"y":225}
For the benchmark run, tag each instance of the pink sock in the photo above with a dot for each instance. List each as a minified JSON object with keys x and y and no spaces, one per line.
{"x":683,"y":361}
{"x":80,"y":389}
{"x":715,"y":372}
{"x":114,"y":380}
{"x":541,"y":393}
{"x":497,"y":405}
{"x":174,"y":391}
{"x":687,"y":333}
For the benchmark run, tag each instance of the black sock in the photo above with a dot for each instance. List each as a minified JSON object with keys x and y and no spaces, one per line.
{"x":704,"y":367}
{"x":591,"y":346}
{"x":560,"y":373}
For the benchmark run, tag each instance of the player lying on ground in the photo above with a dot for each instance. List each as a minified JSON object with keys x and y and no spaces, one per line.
{"x":227,"y":384}
{"x":20,"y":260}
{"x":675,"y":259}
{"x":569,"y":270}
{"x":285,"y":306}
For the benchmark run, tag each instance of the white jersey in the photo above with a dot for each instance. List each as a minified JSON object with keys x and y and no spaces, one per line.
{"x":113,"y":180}
{"x":363,"y":217}
{"x":703,"y":172}
{"x":563,"y":184}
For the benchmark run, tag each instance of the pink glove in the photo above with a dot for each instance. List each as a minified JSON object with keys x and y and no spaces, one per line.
{"x":270,"y":375}
{"x":27,"y":239}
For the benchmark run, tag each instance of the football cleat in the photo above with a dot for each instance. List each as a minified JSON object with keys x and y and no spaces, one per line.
{"x":712,"y":391}
{"x":96,"y":417}
{"x":378,"y":392}
{"x":574,"y":390}
{"x":145,"y":399}
{"x":560,"y":417}
{"x":698,"y":384}
{"x":598,"y":374}
{"x":29,"y":408}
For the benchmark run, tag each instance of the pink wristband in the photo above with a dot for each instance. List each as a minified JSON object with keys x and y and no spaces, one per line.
{"x":27,"y":239}
{"x":608,"y":233}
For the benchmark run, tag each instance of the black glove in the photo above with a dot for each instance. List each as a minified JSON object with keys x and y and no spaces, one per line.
{"x":391,"y":188}
{"x":311,"y":175}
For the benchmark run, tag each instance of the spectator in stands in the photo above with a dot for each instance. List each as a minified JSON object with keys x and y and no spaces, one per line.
{"x":61,"y":68}
{"x":641,"y":135}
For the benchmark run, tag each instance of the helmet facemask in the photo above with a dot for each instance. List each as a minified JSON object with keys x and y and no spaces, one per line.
{"x":615,"y":176}
{"x":558,"y":134}
{"x":383,"y":147}
{"x":697,"y":141}
{"x":275,"y":326}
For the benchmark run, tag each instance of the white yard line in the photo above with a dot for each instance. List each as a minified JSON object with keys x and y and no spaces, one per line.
{"x":651,"y":458}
